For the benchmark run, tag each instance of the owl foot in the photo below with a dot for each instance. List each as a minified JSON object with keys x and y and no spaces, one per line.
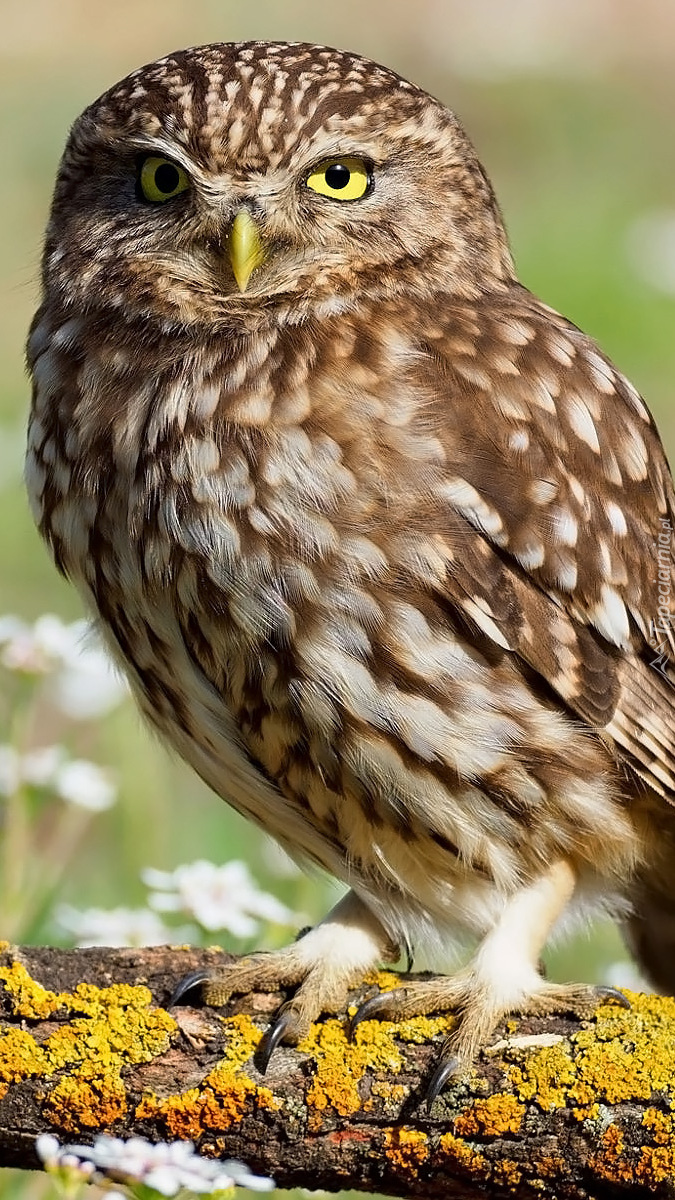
{"x":502,"y":978}
{"x":323,"y":965}
{"x":478,"y":1013}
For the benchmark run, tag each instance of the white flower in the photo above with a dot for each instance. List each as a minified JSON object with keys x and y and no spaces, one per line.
{"x":650,"y":245}
{"x":166,"y":1167}
{"x":47,"y":1148}
{"x":76,"y":780}
{"x":10,"y":626}
{"x":10,"y":773}
{"x":28,"y":649}
{"x":39,"y":767}
{"x":116,"y":926}
{"x":89,"y":684}
{"x":86,"y":684}
{"x":224,"y":897}
{"x":60,"y":1161}
{"x":83,"y":783}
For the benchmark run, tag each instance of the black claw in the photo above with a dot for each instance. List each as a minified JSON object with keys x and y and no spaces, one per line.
{"x":440,"y":1077}
{"x":607,"y":994}
{"x":273,"y":1035}
{"x":370,"y":1010}
{"x":187,"y":984}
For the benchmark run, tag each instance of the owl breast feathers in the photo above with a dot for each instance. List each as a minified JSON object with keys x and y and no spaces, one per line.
{"x":383,"y":543}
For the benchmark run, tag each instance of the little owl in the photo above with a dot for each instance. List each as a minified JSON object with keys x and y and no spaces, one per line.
{"x":382,"y":542}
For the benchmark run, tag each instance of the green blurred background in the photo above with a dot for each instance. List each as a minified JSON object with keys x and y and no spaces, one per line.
{"x":570,"y":103}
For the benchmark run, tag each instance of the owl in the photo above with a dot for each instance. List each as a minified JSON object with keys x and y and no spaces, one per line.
{"x":382,"y":542}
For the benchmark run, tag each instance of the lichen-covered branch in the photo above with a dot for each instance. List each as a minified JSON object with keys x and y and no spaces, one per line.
{"x":555,"y":1108}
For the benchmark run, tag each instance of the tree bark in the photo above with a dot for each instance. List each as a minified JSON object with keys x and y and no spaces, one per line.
{"x":556,"y":1107}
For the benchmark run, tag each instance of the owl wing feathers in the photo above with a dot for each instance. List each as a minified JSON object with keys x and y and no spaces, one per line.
{"x":555,"y":462}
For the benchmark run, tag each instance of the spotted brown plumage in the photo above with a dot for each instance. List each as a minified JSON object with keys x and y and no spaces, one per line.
{"x":371,"y":529}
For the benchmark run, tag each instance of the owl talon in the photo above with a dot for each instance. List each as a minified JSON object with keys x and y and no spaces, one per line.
{"x":607,"y":994}
{"x":444,"y":1072}
{"x":377,"y":1008}
{"x":284,"y":1022}
{"x":188,"y":983}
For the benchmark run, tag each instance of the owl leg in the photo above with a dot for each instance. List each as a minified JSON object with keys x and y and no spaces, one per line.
{"x":323,"y":965}
{"x":503,"y":977}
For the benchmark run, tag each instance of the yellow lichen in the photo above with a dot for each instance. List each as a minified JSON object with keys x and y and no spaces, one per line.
{"x":406,"y":1149}
{"x":341,"y":1064}
{"x":419,"y":1030}
{"x":624,"y":1055}
{"x":243,"y":1037}
{"x":109,"y":1028}
{"x":544,"y":1077}
{"x":393,"y":1092}
{"x":628,"y":1053}
{"x":661,"y":1125}
{"x":386,"y":981}
{"x":493,"y":1117}
{"x":30,"y":999}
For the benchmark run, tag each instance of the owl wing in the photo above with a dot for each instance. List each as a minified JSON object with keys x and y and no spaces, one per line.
{"x":555,"y":461}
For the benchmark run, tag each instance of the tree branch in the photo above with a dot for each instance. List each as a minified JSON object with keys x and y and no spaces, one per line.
{"x":555,"y":1108}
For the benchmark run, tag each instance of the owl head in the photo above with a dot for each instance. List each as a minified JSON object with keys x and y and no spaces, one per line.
{"x":231,"y":180}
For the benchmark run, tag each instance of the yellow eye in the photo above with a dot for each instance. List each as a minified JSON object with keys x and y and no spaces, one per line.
{"x":341,"y":178}
{"x":160,"y":179}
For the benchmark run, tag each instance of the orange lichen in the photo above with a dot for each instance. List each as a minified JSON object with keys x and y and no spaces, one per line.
{"x":215,"y":1105}
{"x":550,"y":1166}
{"x":80,"y":1103}
{"x":493,"y":1117}
{"x":656,"y":1163}
{"x":224,"y":1095}
{"x":609,"y":1162}
{"x":109,"y":1028}
{"x":463,"y":1160}
{"x":506,"y":1173}
{"x":406,"y":1149}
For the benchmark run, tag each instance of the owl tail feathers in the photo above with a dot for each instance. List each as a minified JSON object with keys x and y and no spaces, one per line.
{"x":650,"y":934}
{"x":643,"y":725}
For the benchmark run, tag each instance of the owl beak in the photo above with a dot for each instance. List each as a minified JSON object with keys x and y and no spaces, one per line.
{"x":245,"y":248}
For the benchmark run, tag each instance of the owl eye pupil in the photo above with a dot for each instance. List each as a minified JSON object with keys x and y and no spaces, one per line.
{"x":338,"y":176}
{"x":166,"y":178}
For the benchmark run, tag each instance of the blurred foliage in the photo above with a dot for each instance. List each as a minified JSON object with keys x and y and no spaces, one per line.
{"x":578,"y":142}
